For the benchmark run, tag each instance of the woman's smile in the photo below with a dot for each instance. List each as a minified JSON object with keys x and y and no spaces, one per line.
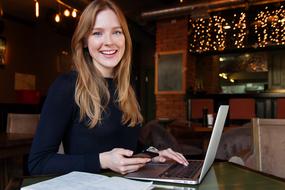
{"x":108,"y":52}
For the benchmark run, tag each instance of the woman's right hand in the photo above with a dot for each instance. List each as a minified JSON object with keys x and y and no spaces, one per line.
{"x":119,"y":160}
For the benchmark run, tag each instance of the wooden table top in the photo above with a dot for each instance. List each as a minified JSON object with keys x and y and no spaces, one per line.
{"x":221,"y":176}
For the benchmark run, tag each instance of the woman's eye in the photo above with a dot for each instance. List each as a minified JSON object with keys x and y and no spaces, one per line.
{"x":118,"y":32}
{"x":97,"y":33}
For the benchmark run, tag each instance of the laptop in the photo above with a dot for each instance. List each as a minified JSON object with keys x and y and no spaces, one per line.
{"x":209,"y":181}
{"x":194,"y":173}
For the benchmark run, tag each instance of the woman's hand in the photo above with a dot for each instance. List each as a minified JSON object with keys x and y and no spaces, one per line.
{"x":170,"y":154}
{"x":119,"y":161}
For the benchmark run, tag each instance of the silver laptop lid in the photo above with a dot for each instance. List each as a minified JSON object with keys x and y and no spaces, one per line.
{"x":214,"y":140}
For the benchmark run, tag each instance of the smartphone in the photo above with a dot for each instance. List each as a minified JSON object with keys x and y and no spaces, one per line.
{"x":145,"y":154}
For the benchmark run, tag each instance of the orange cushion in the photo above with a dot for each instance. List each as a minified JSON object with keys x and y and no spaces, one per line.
{"x":280,"y":109}
{"x":242,"y":108}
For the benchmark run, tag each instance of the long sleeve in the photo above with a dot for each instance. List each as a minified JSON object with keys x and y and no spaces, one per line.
{"x":60,"y":122}
{"x":56,"y":117}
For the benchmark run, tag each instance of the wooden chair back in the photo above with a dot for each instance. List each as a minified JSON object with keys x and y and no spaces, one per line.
{"x":242,"y":108}
{"x":269,"y":145}
{"x":197,"y":106}
{"x":22,"y":123}
{"x":280,"y":108}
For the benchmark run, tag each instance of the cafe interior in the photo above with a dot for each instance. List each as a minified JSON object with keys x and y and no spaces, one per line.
{"x":189,"y":57}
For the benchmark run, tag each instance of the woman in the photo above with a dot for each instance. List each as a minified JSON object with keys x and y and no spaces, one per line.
{"x":93,"y":110}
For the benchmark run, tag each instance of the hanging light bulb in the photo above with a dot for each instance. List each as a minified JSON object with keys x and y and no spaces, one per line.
{"x":37,"y":8}
{"x":74,"y":13}
{"x":66,"y":13}
{"x":57,"y":18}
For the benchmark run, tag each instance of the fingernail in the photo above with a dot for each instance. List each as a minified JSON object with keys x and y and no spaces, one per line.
{"x":162,"y":159}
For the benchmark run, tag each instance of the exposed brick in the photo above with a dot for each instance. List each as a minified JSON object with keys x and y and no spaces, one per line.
{"x":171,"y":35}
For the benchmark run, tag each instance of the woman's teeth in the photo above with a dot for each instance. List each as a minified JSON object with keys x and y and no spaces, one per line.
{"x":109,"y":52}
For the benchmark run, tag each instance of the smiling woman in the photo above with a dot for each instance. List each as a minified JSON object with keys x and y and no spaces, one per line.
{"x":93,"y":110}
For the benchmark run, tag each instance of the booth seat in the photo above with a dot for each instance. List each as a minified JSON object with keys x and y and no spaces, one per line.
{"x":259,"y":146}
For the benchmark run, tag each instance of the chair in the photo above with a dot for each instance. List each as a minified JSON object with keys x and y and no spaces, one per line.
{"x":267,"y":153}
{"x":197,"y":106}
{"x":22,"y":123}
{"x":25,"y":124}
{"x":236,"y":142}
{"x":280,"y":108}
{"x":241,"y":111}
{"x":269,"y":146}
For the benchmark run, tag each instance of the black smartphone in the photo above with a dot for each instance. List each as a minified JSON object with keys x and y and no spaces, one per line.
{"x":145,"y":154}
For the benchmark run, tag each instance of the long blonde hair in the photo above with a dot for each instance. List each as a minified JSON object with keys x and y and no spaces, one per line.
{"x":91,"y":91}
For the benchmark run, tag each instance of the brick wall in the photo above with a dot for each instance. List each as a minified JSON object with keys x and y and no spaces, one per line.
{"x":170,"y":106}
{"x":208,"y":69}
{"x":211,"y":76}
{"x":172,"y":35}
{"x":191,"y":71}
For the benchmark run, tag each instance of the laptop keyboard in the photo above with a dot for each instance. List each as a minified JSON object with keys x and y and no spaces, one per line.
{"x":181,"y":171}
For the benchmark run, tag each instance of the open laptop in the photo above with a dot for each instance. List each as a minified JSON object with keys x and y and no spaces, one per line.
{"x":177,"y":173}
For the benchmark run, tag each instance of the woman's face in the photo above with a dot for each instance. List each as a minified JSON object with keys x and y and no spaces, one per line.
{"x":106,"y":43}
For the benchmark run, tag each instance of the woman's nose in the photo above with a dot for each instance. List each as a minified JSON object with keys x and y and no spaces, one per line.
{"x":108,"y":39}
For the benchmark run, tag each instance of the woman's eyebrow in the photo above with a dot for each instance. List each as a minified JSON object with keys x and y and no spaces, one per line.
{"x":117,"y":27}
{"x":102,"y":28}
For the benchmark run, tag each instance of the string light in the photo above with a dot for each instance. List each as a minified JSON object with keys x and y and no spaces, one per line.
{"x":269,"y":27}
{"x":209,"y":34}
{"x":74,"y":13}
{"x":239,"y":30}
{"x":37,"y":9}
{"x":57,"y":18}
{"x":223,"y":75}
{"x":217,"y":33}
{"x":66,"y":13}
{"x":68,"y":10}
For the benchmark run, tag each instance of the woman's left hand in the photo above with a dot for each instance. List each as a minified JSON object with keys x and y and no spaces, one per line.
{"x":170,"y":154}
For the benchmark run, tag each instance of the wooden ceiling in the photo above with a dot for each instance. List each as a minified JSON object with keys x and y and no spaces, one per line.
{"x":24,"y":10}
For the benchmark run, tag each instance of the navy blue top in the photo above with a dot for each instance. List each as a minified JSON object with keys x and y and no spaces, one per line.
{"x":59,"y":122}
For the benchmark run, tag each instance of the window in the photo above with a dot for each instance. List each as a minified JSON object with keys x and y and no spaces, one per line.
{"x":169,"y":76}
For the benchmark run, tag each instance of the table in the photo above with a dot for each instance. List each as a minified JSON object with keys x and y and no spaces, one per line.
{"x":221,"y":176}
{"x":13,"y":148}
{"x":187,"y":132}
{"x":192,"y":134}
